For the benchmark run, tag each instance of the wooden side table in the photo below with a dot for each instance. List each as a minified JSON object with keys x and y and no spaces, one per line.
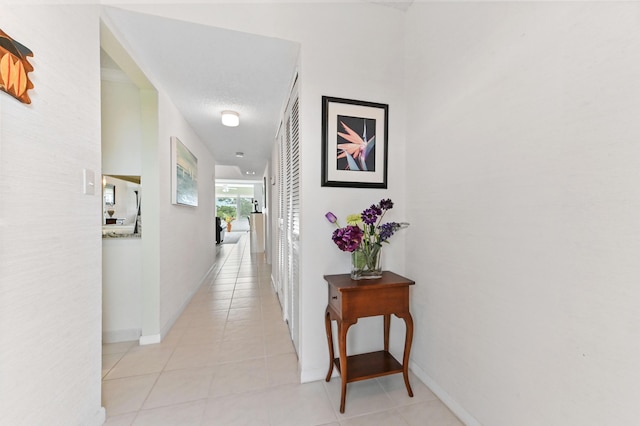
{"x":349,"y":300}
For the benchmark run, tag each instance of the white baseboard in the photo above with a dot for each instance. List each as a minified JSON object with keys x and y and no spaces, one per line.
{"x":167,"y":327}
{"x":316,"y":374}
{"x":116,"y":336}
{"x":150,"y":339}
{"x":450,"y":402}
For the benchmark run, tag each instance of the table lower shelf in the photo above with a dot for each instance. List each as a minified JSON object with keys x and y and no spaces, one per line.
{"x":370,"y":365}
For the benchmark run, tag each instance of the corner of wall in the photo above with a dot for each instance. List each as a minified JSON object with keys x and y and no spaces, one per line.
{"x":447,"y":399}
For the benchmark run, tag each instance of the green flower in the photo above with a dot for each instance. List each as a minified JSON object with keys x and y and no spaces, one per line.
{"x":354,"y":219}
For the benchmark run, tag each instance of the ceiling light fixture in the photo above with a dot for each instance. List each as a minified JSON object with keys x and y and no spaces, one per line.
{"x":239,"y":154}
{"x":230,"y":118}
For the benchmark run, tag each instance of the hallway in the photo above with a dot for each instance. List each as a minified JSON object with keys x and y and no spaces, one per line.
{"x":229,"y":360}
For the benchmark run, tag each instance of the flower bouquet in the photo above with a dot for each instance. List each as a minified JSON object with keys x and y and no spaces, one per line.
{"x":363,"y":237}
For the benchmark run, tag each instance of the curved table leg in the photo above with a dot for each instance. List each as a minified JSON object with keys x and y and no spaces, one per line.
{"x":343,"y":327}
{"x":387,"y":326}
{"x":327,"y":324}
{"x":408,"y":320}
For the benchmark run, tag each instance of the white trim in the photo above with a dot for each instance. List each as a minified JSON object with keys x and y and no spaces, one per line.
{"x":150,"y":339}
{"x":157,"y":338}
{"x":165,"y":330}
{"x":314,"y":375}
{"x":292,"y":87}
{"x":317,"y":374}
{"x":274,"y":286}
{"x":447,"y":399}
{"x":116,"y":336}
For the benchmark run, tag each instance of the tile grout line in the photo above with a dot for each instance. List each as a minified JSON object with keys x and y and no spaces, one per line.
{"x":257,"y":276}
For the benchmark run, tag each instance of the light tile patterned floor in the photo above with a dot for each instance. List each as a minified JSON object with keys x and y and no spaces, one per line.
{"x":229,"y":360}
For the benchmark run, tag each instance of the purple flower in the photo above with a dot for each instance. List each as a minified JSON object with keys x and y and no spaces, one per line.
{"x":386,"y":204}
{"x":369,"y":216}
{"x":387,"y":230}
{"x":365,"y":231}
{"x":347,"y":238}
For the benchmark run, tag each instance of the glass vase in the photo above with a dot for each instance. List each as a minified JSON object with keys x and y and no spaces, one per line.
{"x":365,"y":264}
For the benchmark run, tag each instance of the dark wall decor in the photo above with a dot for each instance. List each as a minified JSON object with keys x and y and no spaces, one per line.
{"x":15,"y":68}
{"x":354,"y":143}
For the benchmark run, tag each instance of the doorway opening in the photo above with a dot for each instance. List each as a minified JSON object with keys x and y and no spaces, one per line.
{"x":235,"y":203}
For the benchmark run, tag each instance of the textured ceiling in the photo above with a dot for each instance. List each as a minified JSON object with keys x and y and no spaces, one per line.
{"x":206,"y":70}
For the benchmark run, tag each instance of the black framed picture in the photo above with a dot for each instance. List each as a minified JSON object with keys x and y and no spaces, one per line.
{"x":354,"y":143}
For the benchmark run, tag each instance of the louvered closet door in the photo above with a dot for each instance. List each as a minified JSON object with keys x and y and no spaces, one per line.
{"x":289,"y":216}
{"x":294,"y":221}
{"x":283,"y":259}
{"x":279,"y":226}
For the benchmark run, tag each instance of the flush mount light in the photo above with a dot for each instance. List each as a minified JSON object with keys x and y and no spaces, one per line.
{"x":249,"y":173}
{"x":239,"y":154}
{"x":230,"y":118}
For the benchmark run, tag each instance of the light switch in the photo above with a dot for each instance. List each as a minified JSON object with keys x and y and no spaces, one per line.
{"x":89,"y":182}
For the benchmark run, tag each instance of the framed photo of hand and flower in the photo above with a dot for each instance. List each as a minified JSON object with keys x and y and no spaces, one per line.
{"x":354,"y":143}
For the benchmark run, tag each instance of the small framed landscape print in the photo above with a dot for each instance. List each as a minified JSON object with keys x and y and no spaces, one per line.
{"x":184,"y":175}
{"x":354,"y":143}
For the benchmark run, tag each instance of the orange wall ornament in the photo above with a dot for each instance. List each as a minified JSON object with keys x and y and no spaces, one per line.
{"x":14,"y":68}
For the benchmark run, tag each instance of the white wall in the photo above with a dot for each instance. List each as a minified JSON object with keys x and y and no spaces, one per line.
{"x":522,"y":143}
{"x":178,"y":243}
{"x":121,"y":137}
{"x":151,"y":165}
{"x":121,"y":257}
{"x":122,"y":289}
{"x":187,"y":249}
{"x":360,"y":57}
{"x":50,"y":286}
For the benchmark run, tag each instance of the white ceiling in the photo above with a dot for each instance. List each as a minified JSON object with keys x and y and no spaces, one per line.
{"x":206,"y":70}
